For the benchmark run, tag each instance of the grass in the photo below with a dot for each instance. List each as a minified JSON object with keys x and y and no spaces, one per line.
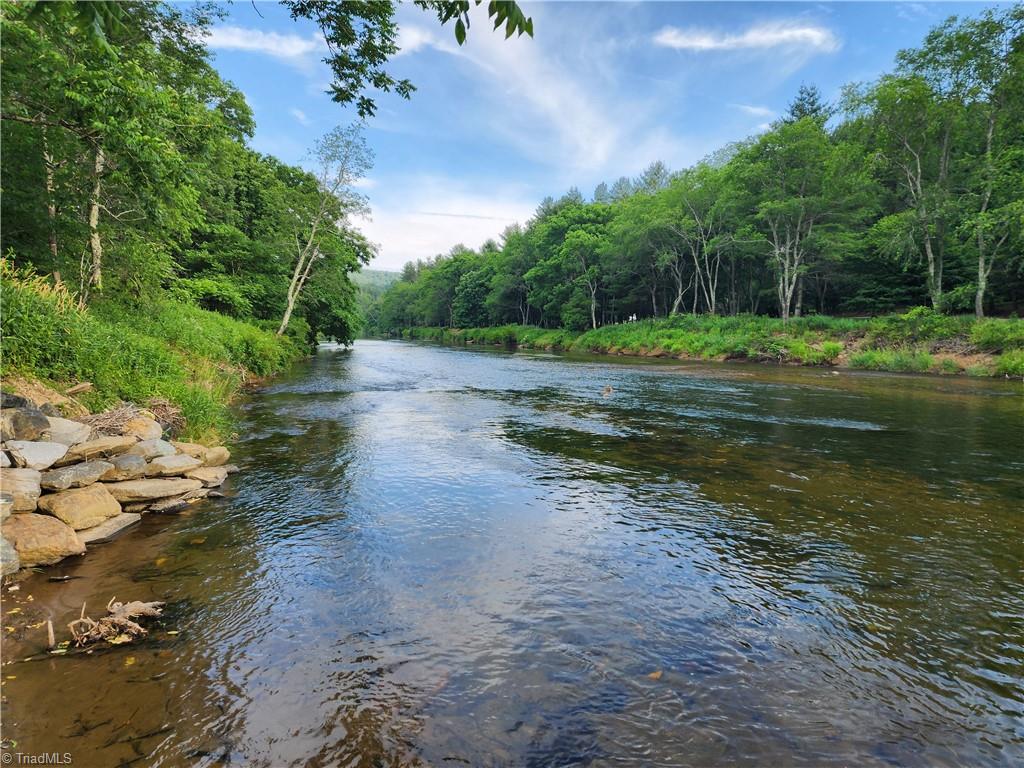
{"x":917,"y":341}
{"x":198,"y":360}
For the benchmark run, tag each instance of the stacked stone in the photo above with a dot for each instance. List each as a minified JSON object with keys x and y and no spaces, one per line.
{"x":64,"y":485}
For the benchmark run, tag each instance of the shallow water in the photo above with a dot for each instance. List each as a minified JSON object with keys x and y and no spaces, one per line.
{"x":447,"y":556}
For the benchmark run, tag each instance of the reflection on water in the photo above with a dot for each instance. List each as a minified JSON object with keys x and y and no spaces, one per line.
{"x":438,"y":556}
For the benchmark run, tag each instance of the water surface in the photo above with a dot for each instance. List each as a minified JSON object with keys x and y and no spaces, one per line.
{"x":440,"y":556}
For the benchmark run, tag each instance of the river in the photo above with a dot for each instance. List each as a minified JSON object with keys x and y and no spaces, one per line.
{"x":441,"y":556}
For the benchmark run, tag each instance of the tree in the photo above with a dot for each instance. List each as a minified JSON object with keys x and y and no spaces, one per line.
{"x":342,"y":158}
{"x":809,"y":103}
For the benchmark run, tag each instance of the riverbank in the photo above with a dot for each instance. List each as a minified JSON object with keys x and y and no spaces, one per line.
{"x":156,"y":351}
{"x":919,"y":341}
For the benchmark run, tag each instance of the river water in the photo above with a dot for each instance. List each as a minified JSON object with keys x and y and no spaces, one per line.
{"x":439,"y":556}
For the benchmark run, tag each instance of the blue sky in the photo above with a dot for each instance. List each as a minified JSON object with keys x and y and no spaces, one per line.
{"x":602,"y":90}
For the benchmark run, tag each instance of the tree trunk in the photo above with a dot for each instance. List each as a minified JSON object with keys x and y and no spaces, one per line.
{"x":95,"y":244}
{"x":799,"y":297}
{"x":593,"y":307}
{"x":51,"y":203}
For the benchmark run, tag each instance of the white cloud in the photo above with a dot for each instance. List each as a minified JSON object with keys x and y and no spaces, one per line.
{"x":295,"y":49}
{"x":299,"y":115}
{"x":754,"y":110}
{"x":413,"y":38}
{"x":780,"y":34}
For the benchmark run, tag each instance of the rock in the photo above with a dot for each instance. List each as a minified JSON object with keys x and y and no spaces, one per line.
{"x":67,"y":431}
{"x":178,"y":503}
{"x":49,"y":409}
{"x":172,"y":465}
{"x":23,"y":486}
{"x":218,"y":456}
{"x":210,"y":477}
{"x":232,"y":468}
{"x":9,"y":560}
{"x":125,"y":467}
{"x":101,"y":447}
{"x":81,"y":507}
{"x":41,"y":539}
{"x":191,"y":449}
{"x":109,"y":528}
{"x":5,"y":460}
{"x":143,"y":428}
{"x":10,"y":400}
{"x":22,"y":423}
{"x":6,"y":506}
{"x":37,"y":455}
{"x":75,"y":475}
{"x":141,"y":490}
{"x":151,"y":449}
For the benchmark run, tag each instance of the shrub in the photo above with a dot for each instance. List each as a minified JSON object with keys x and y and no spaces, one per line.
{"x":1011,"y":363}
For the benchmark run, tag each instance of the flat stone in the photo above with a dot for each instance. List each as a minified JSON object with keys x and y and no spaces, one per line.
{"x":150,"y":449}
{"x":67,"y":431}
{"x":178,"y":464}
{"x":41,"y":539}
{"x":143,"y":428}
{"x":99,"y":448}
{"x":38,"y":455}
{"x":6,"y":505}
{"x":210,"y":477}
{"x":178,"y":503}
{"x":191,"y":449}
{"x":217,"y":456}
{"x":81,"y":507}
{"x":23,"y":486}
{"x":75,"y":475}
{"x":141,"y":490}
{"x":125,"y":467}
{"x":109,"y":528}
{"x":22,"y":423}
{"x":9,"y":560}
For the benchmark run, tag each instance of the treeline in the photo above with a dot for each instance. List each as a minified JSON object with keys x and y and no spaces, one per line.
{"x":908,"y":192}
{"x":127,"y":177}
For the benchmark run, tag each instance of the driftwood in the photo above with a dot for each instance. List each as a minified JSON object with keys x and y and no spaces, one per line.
{"x":115,"y":628}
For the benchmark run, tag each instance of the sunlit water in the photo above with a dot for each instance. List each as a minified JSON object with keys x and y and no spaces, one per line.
{"x":437,"y":556}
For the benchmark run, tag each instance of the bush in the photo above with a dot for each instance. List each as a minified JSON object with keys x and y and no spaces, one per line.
{"x":1011,"y":363}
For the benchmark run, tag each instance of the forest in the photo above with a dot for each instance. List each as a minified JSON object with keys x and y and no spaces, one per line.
{"x":909,"y":191}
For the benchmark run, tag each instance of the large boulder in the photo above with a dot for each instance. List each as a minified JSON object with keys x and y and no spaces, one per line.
{"x":75,"y":475}
{"x":125,"y":467}
{"x":109,"y":528}
{"x":11,"y":400}
{"x":151,"y":449}
{"x":143,"y":428}
{"x":210,"y":477}
{"x":22,"y":423}
{"x":100,"y":448}
{"x":157,"y":488}
{"x":9,"y":560}
{"x":191,"y":449}
{"x":216,"y":457}
{"x":41,"y":539}
{"x":67,"y":431}
{"x":37,"y":455}
{"x":179,"y":464}
{"x":81,"y":507}
{"x":23,"y":486}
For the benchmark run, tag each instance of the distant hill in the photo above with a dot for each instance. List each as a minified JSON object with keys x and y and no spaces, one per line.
{"x":375,"y":280}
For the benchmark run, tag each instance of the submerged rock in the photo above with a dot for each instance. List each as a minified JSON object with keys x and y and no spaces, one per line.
{"x":37,"y":455}
{"x":67,"y":431}
{"x":75,"y":475}
{"x":81,"y":507}
{"x":178,"y":503}
{"x":101,"y":447}
{"x":41,"y":539}
{"x":172,"y":465}
{"x":125,"y":467}
{"x":151,"y":449}
{"x":109,"y":528}
{"x":142,"y":490}
{"x":23,"y":486}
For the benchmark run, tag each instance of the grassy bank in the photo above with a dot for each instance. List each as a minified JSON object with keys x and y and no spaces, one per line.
{"x":920,"y":341}
{"x":198,"y":360}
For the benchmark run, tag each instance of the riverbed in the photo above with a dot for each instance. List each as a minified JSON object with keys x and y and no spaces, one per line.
{"x":445,"y":556}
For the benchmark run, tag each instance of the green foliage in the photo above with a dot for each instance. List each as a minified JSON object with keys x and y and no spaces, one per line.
{"x":902,"y":360}
{"x":1011,"y":363}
